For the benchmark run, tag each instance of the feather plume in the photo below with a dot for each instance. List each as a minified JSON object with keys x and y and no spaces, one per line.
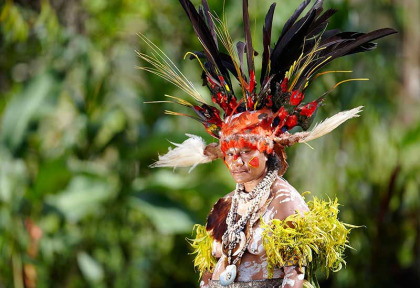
{"x":188,"y":154}
{"x":224,"y":37}
{"x":163,"y":67}
{"x":265,"y":66}
{"x":210,"y":23}
{"x":331,"y":123}
{"x":248,"y":38}
{"x":205,"y":36}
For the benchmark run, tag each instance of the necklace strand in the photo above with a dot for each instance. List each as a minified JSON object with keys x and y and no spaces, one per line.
{"x":232,"y":235}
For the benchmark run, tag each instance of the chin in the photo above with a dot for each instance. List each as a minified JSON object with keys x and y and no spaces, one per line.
{"x":241,"y":179}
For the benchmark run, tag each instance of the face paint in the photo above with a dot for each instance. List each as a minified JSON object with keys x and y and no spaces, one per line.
{"x":224,"y":161}
{"x":254,"y":162}
{"x":245,"y":164}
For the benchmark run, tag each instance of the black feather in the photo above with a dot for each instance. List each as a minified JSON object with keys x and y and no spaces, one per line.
{"x":240,"y":47}
{"x":321,"y":23}
{"x":288,"y":49}
{"x":293,"y":18}
{"x":342,"y":44}
{"x":248,"y":39}
{"x":204,"y":35}
{"x":226,"y":61}
{"x":209,"y":20}
{"x":267,"y":43}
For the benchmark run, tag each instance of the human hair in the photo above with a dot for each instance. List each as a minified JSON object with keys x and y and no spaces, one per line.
{"x":273,"y":162}
{"x":277,"y":161}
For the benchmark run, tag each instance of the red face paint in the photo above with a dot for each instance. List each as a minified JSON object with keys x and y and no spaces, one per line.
{"x":254,"y":162}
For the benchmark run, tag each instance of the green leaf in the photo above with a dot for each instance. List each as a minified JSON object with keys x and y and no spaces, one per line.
{"x":411,"y":136}
{"x":165,"y":215}
{"x":13,"y":176}
{"x":22,"y":109}
{"x":113,"y":123}
{"x":13,"y":23}
{"x":83,"y":196}
{"x":90,"y":268}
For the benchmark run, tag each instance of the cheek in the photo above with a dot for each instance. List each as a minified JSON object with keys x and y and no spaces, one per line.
{"x":254,"y":162}
{"x":227,"y":164}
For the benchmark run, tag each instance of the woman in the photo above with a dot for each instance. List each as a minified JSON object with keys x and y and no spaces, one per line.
{"x":248,"y":168}
{"x":237,"y":248}
{"x":260,"y":193}
{"x":262,"y":234}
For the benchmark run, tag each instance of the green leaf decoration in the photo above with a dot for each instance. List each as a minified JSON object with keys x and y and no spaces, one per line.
{"x":202,"y":245}
{"x":316,"y":239}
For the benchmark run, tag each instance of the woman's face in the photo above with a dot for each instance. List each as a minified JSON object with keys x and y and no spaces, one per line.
{"x":245,"y":164}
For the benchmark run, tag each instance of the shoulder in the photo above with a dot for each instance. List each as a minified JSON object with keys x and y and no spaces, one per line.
{"x":286,"y":199}
{"x":216,"y":221}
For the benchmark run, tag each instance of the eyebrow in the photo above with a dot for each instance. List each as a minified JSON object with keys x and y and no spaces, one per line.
{"x":232,"y":150}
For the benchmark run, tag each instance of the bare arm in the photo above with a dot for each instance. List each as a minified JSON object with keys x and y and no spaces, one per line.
{"x":287,"y":202}
{"x":205,"y":280}
{"x":293,"y":277}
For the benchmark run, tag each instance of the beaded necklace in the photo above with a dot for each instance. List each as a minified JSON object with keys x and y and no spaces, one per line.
{"x":234,"y":234}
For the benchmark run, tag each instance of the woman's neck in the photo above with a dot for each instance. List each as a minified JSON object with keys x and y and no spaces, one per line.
{"x":249,"y":186}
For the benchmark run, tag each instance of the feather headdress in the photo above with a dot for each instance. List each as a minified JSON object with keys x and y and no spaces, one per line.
{"x":261,"y":116}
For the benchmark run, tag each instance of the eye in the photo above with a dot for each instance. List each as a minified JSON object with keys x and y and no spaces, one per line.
{"x":244,"y":151}
{"x":230,"y":154}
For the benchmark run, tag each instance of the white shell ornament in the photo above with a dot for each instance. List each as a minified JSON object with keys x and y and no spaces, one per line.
{"x":228,"y":276}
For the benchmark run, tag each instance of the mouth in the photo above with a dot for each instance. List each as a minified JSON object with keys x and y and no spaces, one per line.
{"x":239,"y":172}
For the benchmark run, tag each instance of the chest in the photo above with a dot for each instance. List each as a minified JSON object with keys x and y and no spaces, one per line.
{"x":255,"y":245}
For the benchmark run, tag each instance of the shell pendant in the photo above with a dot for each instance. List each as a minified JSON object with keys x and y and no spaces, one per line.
{"x":228,"y":276}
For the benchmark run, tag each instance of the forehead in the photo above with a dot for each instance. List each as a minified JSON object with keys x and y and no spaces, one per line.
{"x":238,"y":150}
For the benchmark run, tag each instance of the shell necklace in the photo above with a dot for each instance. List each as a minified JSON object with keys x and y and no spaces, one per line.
{"x":235,"y":234}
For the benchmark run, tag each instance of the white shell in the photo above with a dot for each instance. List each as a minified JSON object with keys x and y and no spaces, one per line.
{"x":228,"y":276}
{"x":241,"y":244}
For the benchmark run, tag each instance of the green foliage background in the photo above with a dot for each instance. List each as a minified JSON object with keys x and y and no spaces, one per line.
{"x":79,"y":206}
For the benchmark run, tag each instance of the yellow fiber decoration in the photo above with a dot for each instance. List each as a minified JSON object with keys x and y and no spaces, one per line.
{"x":202,"y":245}
{"x":316,"y":239}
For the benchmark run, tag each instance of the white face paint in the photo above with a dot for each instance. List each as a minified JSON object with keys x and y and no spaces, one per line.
{"x":286,"y":200}
{"x":288,"y":275}
{"x":300,"y":276}
{"x":282,"y":194}
{"x":248,"y":269}
{"x":269,"y":214}
{"x":256,"y":245}
{"x":287,"y":281}
{"x":277,"y":273}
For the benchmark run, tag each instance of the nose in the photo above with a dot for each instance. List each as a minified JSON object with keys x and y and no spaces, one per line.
{"x":237,"y":161}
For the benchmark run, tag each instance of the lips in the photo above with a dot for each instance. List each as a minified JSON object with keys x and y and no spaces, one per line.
{"x":238,"y":172}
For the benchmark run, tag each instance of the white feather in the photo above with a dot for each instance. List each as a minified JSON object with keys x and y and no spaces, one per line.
{"x":188,"y":154}
{"x":331,"y":123}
